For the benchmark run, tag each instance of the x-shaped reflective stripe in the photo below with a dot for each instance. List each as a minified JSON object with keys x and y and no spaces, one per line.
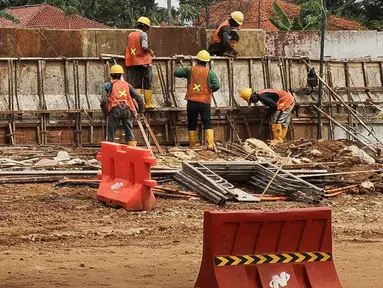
{"x":133,"y":51}
{"x":197,"y":87}
{"x":122,"y":93}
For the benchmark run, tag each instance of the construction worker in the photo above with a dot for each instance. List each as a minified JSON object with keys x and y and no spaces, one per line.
{"x":120,"y":105}
{"x":221,"y":45}
{"x":138,"y":60}
{"x":280,"y":103}
{"x":202,"y":82}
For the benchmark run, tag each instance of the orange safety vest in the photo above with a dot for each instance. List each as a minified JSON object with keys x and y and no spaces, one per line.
{"x":120,"y":94}
{"x":198,"y":87}
{"x":216,"y":38}
{"x":285,"y":98}
{"x":135,"y":55}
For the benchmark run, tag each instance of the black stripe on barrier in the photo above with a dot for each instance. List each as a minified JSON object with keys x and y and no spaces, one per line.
{"x":283,"y":258}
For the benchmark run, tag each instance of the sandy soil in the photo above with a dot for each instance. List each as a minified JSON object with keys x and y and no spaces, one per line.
{"x":62,"y":237}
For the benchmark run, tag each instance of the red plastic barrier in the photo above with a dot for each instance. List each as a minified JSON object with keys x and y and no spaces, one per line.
{"x":126,"y":178}
{"x":287,"y":248}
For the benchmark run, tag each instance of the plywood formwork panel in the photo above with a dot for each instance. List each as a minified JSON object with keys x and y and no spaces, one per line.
{"x":257,"y":78}
{"x":28,"y":93}
{"x":4,"y":86}
{"x":338,"y":77}
{"x":355,"y":72}
{"x":54,"y":86}
{"x":373,"y":74}
{"x":241,"y":79}
{"x":377,"y":96}
{"x":275,"y":75}
{"x":95,"y":82}
{"x":222,"y":96}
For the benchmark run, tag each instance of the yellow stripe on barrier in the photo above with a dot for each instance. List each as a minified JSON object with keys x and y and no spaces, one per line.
{"x":272,"y":258}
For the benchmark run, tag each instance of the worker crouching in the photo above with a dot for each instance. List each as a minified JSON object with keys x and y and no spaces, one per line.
{"x":280,"y":103}
{"x":120,"y":105}
{"x":225,"y":38}
{"x":202,"y":82}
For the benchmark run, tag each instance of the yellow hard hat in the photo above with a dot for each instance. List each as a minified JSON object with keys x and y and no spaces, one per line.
{"x":116,"y":69}
{"x":246,"y":93}
{"x":238,"y":17}
{"x":203,"y":56}
{"x":144,"y":20}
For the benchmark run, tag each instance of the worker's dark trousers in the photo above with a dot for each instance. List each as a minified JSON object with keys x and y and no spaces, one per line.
{"x":114,"y":117}
{"x":141,"y":77}
{"x":197,"y":108}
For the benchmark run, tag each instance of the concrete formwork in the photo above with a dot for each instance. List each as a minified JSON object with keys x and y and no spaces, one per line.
{"x":165,"y":42}
{"x":56,"y":100}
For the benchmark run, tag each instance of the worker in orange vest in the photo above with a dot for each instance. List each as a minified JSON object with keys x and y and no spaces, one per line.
{"x":202,"y":82}
{"x":221,"y":45}
{"x":138,"y":60}
{"x":120,"y":105}
{"x":280,"y":103}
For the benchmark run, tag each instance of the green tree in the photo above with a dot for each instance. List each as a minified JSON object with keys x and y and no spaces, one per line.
{"x":10,"y":17}
{"x":284,"y":23}
{"x":310,"y":15}
{"x":190,"y":11}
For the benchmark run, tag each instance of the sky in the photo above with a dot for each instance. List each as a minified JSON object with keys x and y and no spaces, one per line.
{"x":163,"y":3}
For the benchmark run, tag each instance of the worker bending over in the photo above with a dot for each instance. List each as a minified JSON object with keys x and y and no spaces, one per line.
{"x":138,"y":60}
{"x":280,"y":103}
{"x":202,"y":82}
{"x":222,"y":45}
{"x":120,"y":105}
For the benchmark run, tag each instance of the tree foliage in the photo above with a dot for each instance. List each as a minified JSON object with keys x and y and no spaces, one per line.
{"x":367,"y":12}
{"x":190,"y":11}
{"x":309,"y":18}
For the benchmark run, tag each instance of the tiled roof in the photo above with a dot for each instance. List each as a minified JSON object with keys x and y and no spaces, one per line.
{"x":259,"y":18}
{"x":338,"y":23}
{"x":47,"y":16}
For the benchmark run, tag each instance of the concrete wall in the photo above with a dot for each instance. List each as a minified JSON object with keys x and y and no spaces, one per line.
{"x":168,"y":41}
{"x":338,"y":44}
{"x":165,"y":42}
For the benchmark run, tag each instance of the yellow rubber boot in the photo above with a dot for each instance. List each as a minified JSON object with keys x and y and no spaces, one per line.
{"x":284,"y":133}
{"x":192,"y":139}
{"x":132,"y":143}
{"x":277,"y":133}
{"x":139,"y":91}
{"x":148,"y":99}
{"x":209,"y":136}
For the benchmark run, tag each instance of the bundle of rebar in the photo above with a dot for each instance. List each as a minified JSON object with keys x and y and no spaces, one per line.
{"x":260,"y":175}
{"x":210,"y":185}
{"x":238,"y":171}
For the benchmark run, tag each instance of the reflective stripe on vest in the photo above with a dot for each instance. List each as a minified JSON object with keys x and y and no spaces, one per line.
{"x":198,"y":87}
{"x":285,"y":98}
{"x":135,"y":55}
{"x":120,"y":94}
{"x":216,"y":38}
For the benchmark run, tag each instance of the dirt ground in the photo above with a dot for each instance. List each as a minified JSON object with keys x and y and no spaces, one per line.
{"x":62,"y":237}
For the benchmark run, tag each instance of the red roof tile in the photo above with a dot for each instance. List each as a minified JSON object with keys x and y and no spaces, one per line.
{"x":47,"y":16}
{"x":259,"y":18}
{"x":338,"y":23}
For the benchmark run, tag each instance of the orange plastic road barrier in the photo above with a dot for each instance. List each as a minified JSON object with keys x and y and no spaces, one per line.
{"x":287,"y":248}
{"x":126,"y":178}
